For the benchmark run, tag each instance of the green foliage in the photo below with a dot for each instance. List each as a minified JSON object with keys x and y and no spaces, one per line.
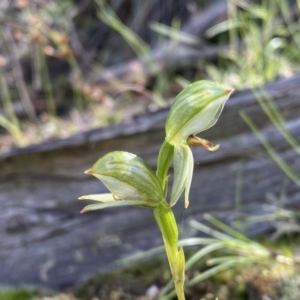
{"x":17,"y":294}
{"x":107,"y":15}
{"x":10,"y":123}
{"x":290,"y":288}
{"x":235,"y":248}
{"x":263,"y":43}
{"x":290,"y":173}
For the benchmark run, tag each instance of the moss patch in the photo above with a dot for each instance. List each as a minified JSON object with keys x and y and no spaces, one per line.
{"x":17,"y":294}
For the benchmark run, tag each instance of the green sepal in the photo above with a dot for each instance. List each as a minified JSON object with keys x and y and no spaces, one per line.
{"x":129,"y":178}
{"x":99,"y":197}
{"x":183,"y":172}
{"x":112,"y":204}
{"x":195,"y":109}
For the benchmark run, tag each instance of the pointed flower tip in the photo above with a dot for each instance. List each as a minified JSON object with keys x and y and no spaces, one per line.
{"x":83,"y":211}
{"x":186,"y":203}
{"x":214,"y":148}
{"x":229,"y":90}
{"x":89,"y":171}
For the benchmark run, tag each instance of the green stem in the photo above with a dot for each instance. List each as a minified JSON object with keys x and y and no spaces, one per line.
{"x":167,"y":224}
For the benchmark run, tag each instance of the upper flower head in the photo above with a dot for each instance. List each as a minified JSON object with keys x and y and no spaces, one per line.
{"x":130,"y":180}
{"x":195,"y":109}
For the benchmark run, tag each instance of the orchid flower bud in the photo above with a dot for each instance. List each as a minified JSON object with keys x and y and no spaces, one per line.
{"x":195,"y":109}
{"x":130,"y":180}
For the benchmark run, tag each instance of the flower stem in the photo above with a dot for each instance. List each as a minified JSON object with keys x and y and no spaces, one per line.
{"x":165,"y":219}
{"x":167,"y":224}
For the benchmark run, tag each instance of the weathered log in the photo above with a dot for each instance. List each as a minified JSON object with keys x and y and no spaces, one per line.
{"x":46,"y":242}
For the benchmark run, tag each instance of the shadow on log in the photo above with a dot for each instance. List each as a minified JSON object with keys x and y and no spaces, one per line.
{"x":45,"y":241}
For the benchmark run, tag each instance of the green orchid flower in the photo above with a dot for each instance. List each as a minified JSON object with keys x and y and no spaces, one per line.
{"x":130,"y":180}
{"x":194,"y":110}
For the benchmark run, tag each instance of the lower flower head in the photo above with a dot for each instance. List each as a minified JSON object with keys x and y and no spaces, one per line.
{"x":130,"y":180}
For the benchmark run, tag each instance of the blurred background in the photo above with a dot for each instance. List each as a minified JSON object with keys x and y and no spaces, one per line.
{"x":68,"y":66}
{"x":80,"y":78}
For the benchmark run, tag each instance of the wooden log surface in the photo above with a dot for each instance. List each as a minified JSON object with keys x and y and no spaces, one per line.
{"x":45,"y":241}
